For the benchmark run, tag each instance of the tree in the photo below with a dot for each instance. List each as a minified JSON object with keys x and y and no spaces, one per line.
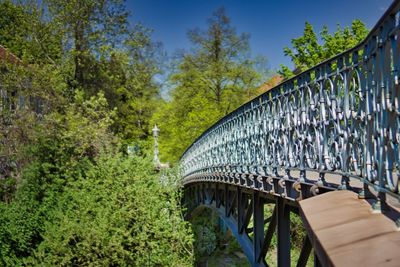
{"x":110,"y":55}
{"x":69,"y":195}
{"x":80,"y":202}
{"x":212,"y":80}
{"x":130,"y":85}
{"x":205,"y":225}
{"x":24,"y":92}
{"x":88,"y":27}
{"x":25,"y":32}
{"x":307,"y":52}
{"x":63,"y":148}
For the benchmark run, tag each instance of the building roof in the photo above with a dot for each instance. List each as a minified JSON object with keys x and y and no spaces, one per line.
{"x":271,"y":83}
{"x":5,"y":55}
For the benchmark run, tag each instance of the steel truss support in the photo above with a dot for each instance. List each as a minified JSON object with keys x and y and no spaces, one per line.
{"x":238,"y":206}
{"x":305,"y":253}
{"x":283,"y":232}
{"x":317,"y":262}
{"x":258,"y":227}
{"x":268,"y":235}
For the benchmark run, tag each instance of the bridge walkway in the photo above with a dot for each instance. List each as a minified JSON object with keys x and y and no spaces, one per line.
{"x":345,"y":231}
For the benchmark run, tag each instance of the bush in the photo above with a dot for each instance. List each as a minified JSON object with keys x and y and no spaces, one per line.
{"x":119,"y":215}
{"x":81,"y":203}
{"x":205,"y":240}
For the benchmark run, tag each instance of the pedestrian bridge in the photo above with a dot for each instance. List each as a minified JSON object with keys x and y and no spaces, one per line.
{"x":323,"y":144}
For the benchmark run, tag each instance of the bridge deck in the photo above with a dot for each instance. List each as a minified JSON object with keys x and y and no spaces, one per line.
{"x":345,"y":231}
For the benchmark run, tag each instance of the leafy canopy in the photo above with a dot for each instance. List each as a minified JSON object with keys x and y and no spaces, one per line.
{"x":211,"y":80}
{"x":307,"y":51}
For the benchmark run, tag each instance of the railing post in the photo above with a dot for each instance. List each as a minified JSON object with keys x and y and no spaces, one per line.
{"x":283,"y":232}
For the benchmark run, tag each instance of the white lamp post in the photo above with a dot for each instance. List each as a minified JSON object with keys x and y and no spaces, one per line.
{"x":155,"y":135}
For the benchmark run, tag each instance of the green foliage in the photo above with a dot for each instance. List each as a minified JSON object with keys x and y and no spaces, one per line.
{"x":17,"y":130}
{"x":205,"y":229}
{"x":205,"y":240}
{"x":94,"y":49}
{"x":21,"y":224}
{"x":343,"y":39}
{"x":25,"y":32}
{"x":119,"y":214}
{"x":69,"y":197}
{"x":68,"y":142}
{"x":212,"y":80}
{"x":233,"y":246}
{"x":107,"y":54}
{"x":88,"y":28}
{"x":181,"y":121}
{"x":131,"y":87}
{"x":80,"y":203}
{"x":65,"y":147}
{"x":307,"y":52}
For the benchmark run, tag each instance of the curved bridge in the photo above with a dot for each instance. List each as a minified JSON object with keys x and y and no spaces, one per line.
{"x":333,"y":127}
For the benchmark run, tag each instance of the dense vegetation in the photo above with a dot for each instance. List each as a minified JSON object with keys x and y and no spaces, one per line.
{"x":82,"y":89}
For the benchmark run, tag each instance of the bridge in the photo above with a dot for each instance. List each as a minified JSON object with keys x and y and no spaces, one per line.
{"x":323,"y":144}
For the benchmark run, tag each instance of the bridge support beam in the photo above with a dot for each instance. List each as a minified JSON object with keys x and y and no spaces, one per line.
{"x":268,"y":235}
{"x":237,"y":206}
{"x":305,"y":253}
{"x":258,"y":228}
{"x":283,"y":233}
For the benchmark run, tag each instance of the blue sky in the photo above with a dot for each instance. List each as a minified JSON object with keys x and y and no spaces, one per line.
{"x":271,"y":24}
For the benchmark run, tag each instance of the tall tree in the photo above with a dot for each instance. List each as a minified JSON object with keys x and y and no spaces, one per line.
{"x":214,"y":78}
{"x":307,"y":51}
{"x":25,"y":32}
{"x":89,"y":26}
{"x":134,"y":91}
{"x":110,"y":55}
{"x":221,"y":62}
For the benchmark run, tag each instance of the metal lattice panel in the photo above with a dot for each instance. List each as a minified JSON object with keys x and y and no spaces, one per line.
{"x":341,"y":116}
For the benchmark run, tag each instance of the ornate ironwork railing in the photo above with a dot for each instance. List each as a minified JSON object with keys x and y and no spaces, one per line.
{"x":341,"y":116}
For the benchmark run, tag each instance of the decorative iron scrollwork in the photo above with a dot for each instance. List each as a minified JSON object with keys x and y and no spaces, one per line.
{"x":341,"y":116}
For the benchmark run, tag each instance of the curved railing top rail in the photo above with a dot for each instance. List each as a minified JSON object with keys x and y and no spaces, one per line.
{"x":341,"y":115}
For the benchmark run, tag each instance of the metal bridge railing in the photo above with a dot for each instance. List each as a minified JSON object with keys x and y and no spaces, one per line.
{"x":341,"y":116}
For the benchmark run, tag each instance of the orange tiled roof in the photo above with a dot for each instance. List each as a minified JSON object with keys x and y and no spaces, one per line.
{"x":271,"y":83}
